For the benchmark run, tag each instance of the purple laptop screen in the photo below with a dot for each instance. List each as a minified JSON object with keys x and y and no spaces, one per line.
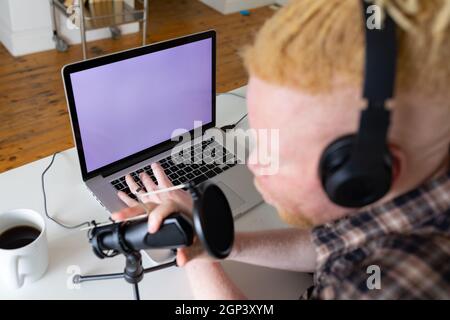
{"x":131,"y":105}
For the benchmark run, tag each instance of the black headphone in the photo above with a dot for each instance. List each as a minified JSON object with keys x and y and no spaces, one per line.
{"x":356,"y":169}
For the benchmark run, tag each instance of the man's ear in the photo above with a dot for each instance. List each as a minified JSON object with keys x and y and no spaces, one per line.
{"x":398,"y":162}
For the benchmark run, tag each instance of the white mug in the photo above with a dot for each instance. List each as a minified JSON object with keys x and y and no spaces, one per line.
{"x":25,"y":264}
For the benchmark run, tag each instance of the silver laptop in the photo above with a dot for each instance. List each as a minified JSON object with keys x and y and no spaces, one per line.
{"x":125,"y":108}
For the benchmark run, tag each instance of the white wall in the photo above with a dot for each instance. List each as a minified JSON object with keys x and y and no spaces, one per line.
{"x":25,"y":27}
{"x":5,"y":23}
{"x":28,"y":29}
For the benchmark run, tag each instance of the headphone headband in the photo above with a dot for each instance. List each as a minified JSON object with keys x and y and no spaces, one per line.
{"x":356,"y":169}
{"x":380,"y":65}
{"x":379,"y":82}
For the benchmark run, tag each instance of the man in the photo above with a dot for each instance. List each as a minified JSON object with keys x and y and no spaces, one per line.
{"x":306,"y":69}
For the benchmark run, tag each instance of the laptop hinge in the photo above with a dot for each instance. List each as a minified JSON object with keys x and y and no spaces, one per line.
{"x":136,"y":159}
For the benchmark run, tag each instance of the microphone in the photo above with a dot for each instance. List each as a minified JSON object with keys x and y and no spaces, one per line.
{"x":212,"y":221}
{"x":176,"y":231}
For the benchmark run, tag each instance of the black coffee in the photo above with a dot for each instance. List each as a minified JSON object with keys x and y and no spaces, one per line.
{"x":18,"y":237}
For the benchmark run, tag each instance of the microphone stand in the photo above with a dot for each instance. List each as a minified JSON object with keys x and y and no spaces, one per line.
{"x":133,"y":272}
{"x":176,"y":231}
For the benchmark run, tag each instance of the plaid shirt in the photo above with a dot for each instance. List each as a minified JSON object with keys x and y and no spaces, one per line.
{"x":405,"y":241}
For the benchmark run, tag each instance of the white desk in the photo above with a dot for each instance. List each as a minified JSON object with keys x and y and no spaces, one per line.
{"x":70,"y":201}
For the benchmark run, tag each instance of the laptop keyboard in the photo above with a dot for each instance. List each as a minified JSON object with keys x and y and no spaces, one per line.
{"x":202,"y":166}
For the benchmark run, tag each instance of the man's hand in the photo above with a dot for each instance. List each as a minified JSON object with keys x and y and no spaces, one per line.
{"x":181,"y":197}
{"x":161,"y":206}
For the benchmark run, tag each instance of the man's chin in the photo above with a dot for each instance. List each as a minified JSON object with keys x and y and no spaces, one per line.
{"x":296,"y":219}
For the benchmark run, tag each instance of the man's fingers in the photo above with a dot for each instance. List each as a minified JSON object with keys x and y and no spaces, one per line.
{"x":161,"y":212}
{"x":148,"y":182}
{"x":125,"y":198}
{"x":149,"y":186}
{"x":181,"y":257}
{"x":127,"y":213}
{"x":161,"y":177}
{"x":131,"y":183}
{"x":132,"y":211}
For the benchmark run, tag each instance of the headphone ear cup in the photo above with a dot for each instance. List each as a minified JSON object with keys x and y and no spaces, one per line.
{"x":333,"y":158}
{"x":349,"y":182}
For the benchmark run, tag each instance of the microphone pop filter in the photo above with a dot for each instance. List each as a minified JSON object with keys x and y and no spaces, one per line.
{"x":213,"y":222}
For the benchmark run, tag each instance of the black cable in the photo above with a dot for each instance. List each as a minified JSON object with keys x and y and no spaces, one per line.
{"x":45,"y":200}
{"x":232,"y":94}
{"x":232,"y":126}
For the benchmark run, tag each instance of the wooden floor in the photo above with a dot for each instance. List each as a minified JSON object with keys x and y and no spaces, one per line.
{"x":34,"y":122}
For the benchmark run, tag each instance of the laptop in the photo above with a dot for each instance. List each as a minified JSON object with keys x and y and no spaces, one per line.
{"x":125,"y":107}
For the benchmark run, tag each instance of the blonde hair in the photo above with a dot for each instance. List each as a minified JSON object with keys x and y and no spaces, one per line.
{"x":313,"y":44}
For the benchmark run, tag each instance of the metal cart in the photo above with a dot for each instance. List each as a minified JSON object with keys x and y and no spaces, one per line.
{"x":89,"y":20}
